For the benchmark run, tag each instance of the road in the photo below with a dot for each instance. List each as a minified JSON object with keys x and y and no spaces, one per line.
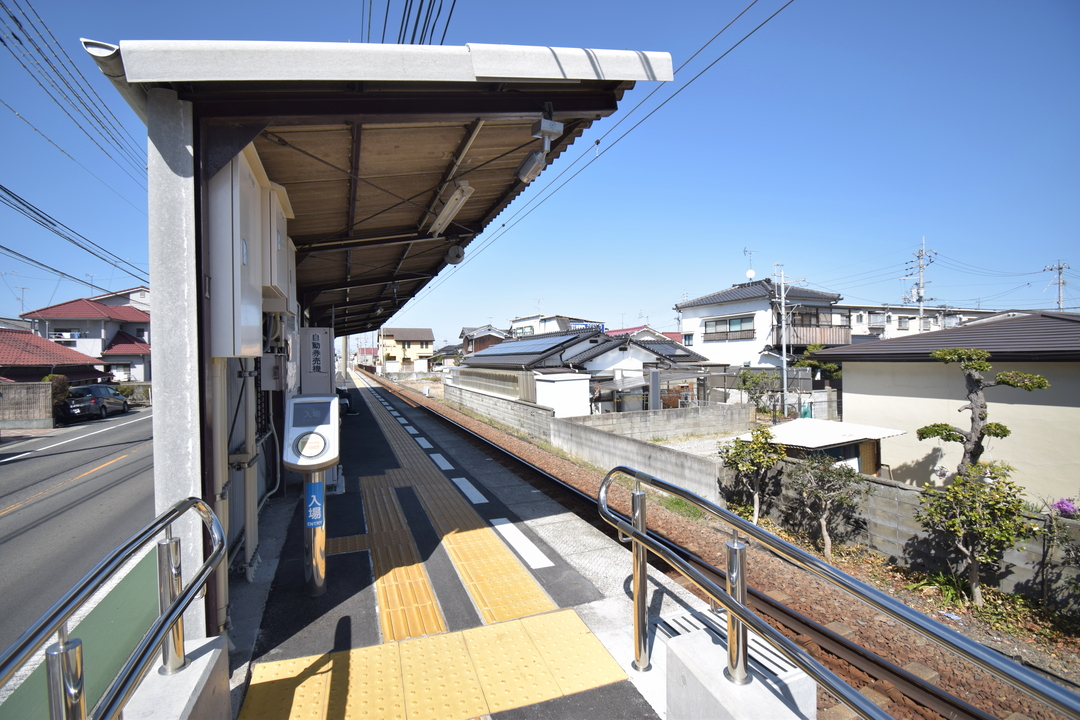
{"x":65,"y":502}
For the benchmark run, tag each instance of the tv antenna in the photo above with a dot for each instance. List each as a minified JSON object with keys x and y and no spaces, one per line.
{"x":750,"y":254}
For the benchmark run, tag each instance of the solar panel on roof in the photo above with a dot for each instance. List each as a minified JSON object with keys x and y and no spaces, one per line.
{"x":525,"y":347}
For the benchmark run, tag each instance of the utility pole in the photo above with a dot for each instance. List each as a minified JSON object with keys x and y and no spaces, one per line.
{"x":783,"y":338}
{"x":923,"y":258}
{"x":1059,"y":268}
{"x":22,"y":295}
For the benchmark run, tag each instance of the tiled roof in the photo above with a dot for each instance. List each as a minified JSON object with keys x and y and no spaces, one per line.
{"x":24,"y":348}
{"x":399,"y":334}
{"x":528,"y":351}
{"x":1031,"y":336}
{"x":672,"y":351}
{"x":82,"y":309}
{"x":124,"y":344}
{"x":759,"y":289}
{"x":675,"y":351}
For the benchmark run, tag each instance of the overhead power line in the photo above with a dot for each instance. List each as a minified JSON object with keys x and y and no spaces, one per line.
{"x":24,"y":37}
{"x":505,"y":228}
{"x":19,"y":256}
{"x":42,"y":218}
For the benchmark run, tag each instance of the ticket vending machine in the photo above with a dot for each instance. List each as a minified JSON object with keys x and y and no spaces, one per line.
{"x":311,"y":446}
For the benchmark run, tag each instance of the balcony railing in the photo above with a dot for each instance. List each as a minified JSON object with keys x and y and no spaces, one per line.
{"x":811,"y":334}
{"x":730,"y":335}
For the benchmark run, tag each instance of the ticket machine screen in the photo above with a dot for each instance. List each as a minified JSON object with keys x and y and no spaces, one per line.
{"x":311,"y":414}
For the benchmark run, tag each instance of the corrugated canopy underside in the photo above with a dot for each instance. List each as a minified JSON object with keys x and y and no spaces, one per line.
{"x":367,"y":163}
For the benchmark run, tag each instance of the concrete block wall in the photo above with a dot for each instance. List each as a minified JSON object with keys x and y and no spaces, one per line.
{"x":672,"y":423}
{"x":529,"y":418}
{"x":26,"y":406}
{"x":606,"y":450}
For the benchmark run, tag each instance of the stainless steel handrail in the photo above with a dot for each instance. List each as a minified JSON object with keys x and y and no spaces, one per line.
{"x":1016,"y":675}
{"x":56,"y":617}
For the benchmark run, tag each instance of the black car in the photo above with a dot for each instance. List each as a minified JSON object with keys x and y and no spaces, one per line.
{"x":92,"y":401}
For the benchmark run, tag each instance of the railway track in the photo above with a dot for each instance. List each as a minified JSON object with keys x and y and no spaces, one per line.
{"x":911,"y":696}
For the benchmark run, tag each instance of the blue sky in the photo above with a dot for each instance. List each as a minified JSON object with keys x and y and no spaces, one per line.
{"x":832,"y":141}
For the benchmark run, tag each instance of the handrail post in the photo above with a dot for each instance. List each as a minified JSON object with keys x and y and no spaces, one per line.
{"x":64,"y":673}
{"x":170,"y":585}
{"x":641,"y":618}
{"x":736,"y":630}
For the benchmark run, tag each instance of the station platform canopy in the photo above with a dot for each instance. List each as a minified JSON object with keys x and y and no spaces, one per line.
{"x":370,"y":141}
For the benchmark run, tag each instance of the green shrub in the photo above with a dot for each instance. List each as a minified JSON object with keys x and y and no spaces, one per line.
{"x":128,"y":391}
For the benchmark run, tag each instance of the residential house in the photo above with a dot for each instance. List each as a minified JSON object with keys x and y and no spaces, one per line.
{"x":575,"y":371}
{"x":621,"y":369}
{"x":741,"y":326}
{"x":547,"y":324}
{"x":405,"y":349}
{"x":644,"y":332}
{"x":854,"y":445}
{"x":895,"y":383}
{"x":114,"y":328}
{"x":14,"y":324}
{"x":25,"y":357}
{"x":883,"y":322}
{"x":475,"y":339}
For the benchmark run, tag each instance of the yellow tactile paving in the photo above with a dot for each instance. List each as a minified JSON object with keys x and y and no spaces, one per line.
{"x":374,"y":690}
{"x":290,"y":689}
{"x":575,"y":656}
{"x":439,"y":680}
{"x":511,"y":670}
{"x":453,"y":676}
{"x":500,"y":587}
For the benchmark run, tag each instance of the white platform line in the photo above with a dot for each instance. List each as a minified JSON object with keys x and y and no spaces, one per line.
{"x":411,"y":430}
{"x":403,"y":421}
{"x":524,"y":546}
{"x":442,"y":462}
{"x":395,"y":413}
{"x":474,"y":495}
{"x":422,"y":442}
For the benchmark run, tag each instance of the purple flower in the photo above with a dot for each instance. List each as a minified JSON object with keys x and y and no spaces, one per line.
{"x":1066,"y":507}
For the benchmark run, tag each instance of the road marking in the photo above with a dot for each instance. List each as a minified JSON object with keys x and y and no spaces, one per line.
{"x":474,"y":495}
{"x":441,"y":461}
{"x":411,"y":429}
{"x":524,"y":546}
{"x":65,"y":442}
{"x":422,"y":442}
{"x":21,"y":503}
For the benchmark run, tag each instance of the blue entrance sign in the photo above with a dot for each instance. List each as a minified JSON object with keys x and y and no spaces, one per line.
{"x":313,"y":504}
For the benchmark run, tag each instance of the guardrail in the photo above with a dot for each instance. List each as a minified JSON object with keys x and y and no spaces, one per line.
{"x":64,"y":658}
{"x":740,"y":617}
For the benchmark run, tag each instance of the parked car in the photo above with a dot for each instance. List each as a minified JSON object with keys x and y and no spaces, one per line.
{"x":92,"y":401}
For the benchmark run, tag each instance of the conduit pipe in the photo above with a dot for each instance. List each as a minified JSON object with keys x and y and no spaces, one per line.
{"x":219,"y":428}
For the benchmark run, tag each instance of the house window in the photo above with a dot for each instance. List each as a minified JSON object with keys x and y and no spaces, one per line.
{"x":740,"y":328}
{"x":926,"y":323}
{"x":888,"y":319}
{"x":902,"y":323}
{"x":522,"y":331}
{"x":859,"y":318}
{"x":424,"y":344}
{"x":688,"y":339}
{"x":140,"y":333}
{"x":406,"y":344}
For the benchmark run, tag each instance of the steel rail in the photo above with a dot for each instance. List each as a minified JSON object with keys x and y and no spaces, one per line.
{"x":56,"y":617}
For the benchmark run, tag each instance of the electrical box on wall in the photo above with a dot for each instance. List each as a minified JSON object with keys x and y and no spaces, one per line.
{"x":275,"y":270}
{"x":236,"y":238}
{"x":316,"y":361}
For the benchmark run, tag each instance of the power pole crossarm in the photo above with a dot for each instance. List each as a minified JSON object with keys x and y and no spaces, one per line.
{"x":1060,"y":268}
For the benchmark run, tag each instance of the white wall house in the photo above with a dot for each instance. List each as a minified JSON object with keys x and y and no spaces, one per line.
{"x":114,"y":327}
{"x":740,"y":326}
{"x":889,"y":321}
{"x":544,"y":324}
{"x":895,"y":383}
